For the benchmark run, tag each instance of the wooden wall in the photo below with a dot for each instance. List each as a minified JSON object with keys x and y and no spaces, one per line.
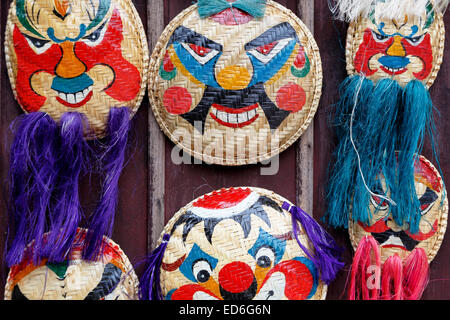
{"x":153,"y":188}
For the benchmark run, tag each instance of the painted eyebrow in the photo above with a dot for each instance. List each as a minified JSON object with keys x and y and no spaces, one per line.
{"x":186,"y":35}
{"x":428,"y":197}
{"x":279,"y":32}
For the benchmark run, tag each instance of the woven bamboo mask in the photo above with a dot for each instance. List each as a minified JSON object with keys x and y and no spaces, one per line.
{"x":240,"y":244}
{"x":82,"y":56}
{"x":403,"y":48}
{"x":231,"y":86}
{"x":78,"y":69}
{"x":394,"y":239}
{"x":111,"y":277}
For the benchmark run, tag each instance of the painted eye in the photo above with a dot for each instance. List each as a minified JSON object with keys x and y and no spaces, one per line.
{"x":427,"y":201}
{"x":379,"y":37}
{"x":201,"y":270}
{"x":264,"y":257}
{"x":201,"y":54}
{"x":379,"y":203}
{"x":96,"y":37}
{"x":266,"y":49}
{"x":39,"y":45}
{"x":267,"y":52}
{"x":415,"y":41}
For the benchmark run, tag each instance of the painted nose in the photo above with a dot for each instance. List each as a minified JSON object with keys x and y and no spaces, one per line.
{"x":397,"y":49}
{"x":234,"y":78}
{"x":237,"y":282}
{"x":69,"y":66}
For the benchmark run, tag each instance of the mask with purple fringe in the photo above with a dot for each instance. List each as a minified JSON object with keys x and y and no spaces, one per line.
{"x":80,"y":92}
{"x":249,"y":232}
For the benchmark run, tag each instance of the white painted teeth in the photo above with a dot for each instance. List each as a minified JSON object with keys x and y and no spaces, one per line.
{"x":234,"y":118}
{"x":394,"y":70}
{"x":74,"y":98}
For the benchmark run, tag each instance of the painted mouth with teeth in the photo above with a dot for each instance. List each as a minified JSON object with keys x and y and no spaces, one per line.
{"x":393,"y":65}
{"x":392,"y":71}
{"x":73,"y":92}
{"x":234,"y":118}
{"x":75,"y":100}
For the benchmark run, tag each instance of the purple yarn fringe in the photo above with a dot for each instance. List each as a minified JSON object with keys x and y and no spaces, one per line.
{"x":102,"y":221}
{"x":326,"y":252}
{"x":150,"y":284}
{"x":32,"y":179}
{"x":67,"y":213}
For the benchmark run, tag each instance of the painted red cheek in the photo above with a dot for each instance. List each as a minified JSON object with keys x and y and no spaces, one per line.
{"x":28,"y":64}
{"x":177,"y":100}
{"x":299,"y":280}
{"x":236,"y":277}
{"x":291,"y":97}
{"x":127,"y":79}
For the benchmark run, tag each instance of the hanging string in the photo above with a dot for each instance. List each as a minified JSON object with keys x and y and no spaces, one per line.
{"x":392,"y":202}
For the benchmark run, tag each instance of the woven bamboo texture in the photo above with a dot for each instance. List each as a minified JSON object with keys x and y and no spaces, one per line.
{"x":238,"y":143}
{"x":97,"y":69}
{"x":98,"y":280}
{"x":230,"y":246}
{"x":355,"y":39}
{"x":439,"y":213}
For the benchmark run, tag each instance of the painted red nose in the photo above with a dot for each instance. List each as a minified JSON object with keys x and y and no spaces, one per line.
{"x":236,"y":277}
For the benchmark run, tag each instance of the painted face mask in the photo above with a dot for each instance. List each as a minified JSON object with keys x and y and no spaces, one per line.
{"x":235,"y":83}
{"x":402,"y":255}
{"x":109,"y":278}
{"x":241,"y":244}
{"x":403,"y":48}
{"x":78,"y":69}
{"x":76,"y":56}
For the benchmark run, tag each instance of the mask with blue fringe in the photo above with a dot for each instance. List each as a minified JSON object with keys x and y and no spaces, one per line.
{"x":385,"y":112}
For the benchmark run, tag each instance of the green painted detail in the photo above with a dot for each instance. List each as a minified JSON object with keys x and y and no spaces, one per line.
{"x":103,"y":9}
{"x":304,"y":71}
{"x":22,"y":16}
{"x":430,"y":15}
{"x":167,"y":75}
{"x":59,"y":268}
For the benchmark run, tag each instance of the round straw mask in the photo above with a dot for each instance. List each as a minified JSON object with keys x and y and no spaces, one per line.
{"x":76,"y":56}
{"x":111,"y":277}
{"x":237,"y":243}
{"x":405,"y":49}
{"x":395,"y":239}
{"x":233,"y":89}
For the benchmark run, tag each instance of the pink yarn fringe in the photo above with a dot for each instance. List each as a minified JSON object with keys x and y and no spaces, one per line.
{"x":395,"y":280}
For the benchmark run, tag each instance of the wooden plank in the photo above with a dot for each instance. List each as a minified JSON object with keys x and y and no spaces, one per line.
{"x":156,"y":158}
{"x":305,"y":145}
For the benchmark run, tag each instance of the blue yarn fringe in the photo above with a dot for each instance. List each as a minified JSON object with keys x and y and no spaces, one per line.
{"x":389,"y":127}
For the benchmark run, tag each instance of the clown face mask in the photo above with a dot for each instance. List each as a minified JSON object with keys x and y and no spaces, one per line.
{"x":404,"y":48}
{"x":234,"y":89}
{"x":81,"y":56}
{"x":237,"y":244}
{"x":395,"y":239}
{"x":109,"y":278}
